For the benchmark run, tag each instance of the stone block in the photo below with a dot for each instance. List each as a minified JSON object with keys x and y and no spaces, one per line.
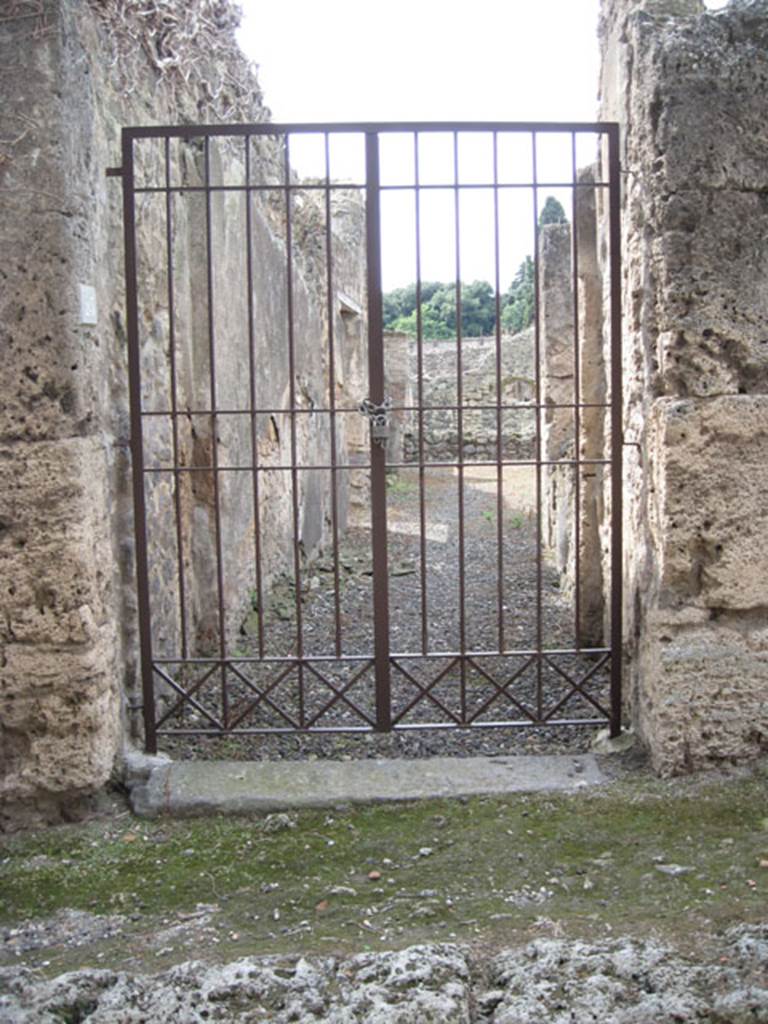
{"x":70,"y":740}
{"x":54,"y":547}
{"x":58,"y":645}
{"x":41,"y":395}
{"x":710,"y":516}
{"x":702,"y":102}
{"x":705,"y":697}
{"x":710,"y":261}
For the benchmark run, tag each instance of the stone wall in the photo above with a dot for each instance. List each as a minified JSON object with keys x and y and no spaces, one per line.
{"x":689,"y":90}
{"x":480,"y":387}
{"x":64,"y":426}
{"x":68,"y":632}
{"x":399,"y":387}
{"x":572,"y":362}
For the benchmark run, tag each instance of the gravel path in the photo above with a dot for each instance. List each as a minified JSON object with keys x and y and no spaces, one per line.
{"x":422,"y":612}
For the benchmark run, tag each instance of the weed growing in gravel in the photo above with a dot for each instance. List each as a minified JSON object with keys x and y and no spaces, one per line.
{"x":398,"y":485}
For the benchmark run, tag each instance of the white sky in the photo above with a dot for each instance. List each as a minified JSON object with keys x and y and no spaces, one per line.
{"x":409,"y":60}
{"x":354,"y":60}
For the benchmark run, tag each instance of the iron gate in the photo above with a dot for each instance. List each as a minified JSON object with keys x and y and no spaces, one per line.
{"x":251,"y":301}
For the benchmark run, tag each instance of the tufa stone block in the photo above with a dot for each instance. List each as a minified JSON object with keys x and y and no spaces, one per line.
{"x":710,"y":516}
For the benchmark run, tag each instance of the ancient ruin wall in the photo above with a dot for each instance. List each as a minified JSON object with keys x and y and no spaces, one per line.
{"x":689,"y":90}
{"x":68,"y":635}
{"x":571,"y":362}
{"x":64,"y":440}
{"x":480,"y":395}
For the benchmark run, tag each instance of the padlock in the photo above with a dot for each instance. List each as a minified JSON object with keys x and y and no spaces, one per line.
{"x":378,"y":417}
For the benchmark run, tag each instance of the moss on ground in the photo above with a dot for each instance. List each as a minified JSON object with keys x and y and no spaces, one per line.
{"x":680,"y":860}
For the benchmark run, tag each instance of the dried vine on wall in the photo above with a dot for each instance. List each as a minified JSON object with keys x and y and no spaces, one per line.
{"x":191,"y":45}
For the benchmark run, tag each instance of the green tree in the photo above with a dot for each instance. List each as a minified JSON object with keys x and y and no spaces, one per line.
{"x":517,"y":305}
{"x":552,"y":213}
{"x":402,"y":301}
{"x":478,"y":309}
{"x":478,"y":299}
{"x":438,"y":310}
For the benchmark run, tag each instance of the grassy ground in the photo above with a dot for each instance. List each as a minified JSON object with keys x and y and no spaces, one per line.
{"x":491,"y":872}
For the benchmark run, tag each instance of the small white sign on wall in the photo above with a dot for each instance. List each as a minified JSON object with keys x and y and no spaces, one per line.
{"x":88,"y":313}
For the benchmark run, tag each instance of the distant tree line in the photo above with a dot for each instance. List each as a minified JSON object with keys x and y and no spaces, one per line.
{"x":478,"y":300}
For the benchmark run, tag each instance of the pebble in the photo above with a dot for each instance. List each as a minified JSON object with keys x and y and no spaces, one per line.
{"x":673,"y":870}
{"x":65,"y":928}
{"x":278,"y":822}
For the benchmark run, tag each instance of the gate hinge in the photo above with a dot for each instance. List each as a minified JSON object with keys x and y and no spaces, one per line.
{"x":114,"y":172}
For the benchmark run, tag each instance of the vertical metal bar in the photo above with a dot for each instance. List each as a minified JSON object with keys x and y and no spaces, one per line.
{"x":378,"y":452}
{"x":460,"y":430}
{"x":576,"y":397}
{"x":539,"y":490}
{"x":617,"y":431}
{"x":420,"y":402}
{"x":253,"y":398}
{"x":499,"y":401}
{"x":294,"y":439}
{"x":174,"y":399}
{"x":332,"y":404}
{"x":137,"y":446}
{"x":215,"y":432}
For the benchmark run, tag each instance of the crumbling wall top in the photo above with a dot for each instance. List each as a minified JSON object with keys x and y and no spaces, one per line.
{"x":191,"y":46}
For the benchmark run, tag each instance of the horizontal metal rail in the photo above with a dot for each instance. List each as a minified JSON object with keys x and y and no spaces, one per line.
{"x":203,"y":131}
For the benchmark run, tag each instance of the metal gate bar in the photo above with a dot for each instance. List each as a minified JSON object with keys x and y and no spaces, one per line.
{"x":186,"y":675}
{"x":376,"y":384}
{"x":332,"y":409}
{"x":498,"y":369}
{"x":539,"y":411}
{"x":460,"y":430}
{"x":252,"y":369}
{"x":617,"y":429}
{"x":576,"y":399}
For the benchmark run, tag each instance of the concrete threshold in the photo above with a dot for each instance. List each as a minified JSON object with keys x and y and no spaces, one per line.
{"x":188,"y":788}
